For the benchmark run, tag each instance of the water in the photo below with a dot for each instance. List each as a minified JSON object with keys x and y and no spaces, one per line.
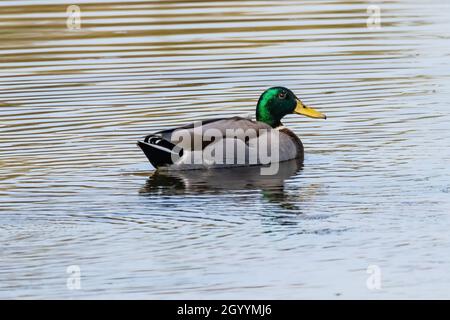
{"x":75,"y":189}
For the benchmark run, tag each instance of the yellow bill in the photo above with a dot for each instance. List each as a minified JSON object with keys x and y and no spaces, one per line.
{"x":307,"y":111}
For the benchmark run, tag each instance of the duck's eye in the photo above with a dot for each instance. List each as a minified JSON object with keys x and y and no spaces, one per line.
{"x":282,"y":95}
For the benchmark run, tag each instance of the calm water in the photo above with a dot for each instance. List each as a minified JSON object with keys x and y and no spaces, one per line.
{"x":75,"y":189}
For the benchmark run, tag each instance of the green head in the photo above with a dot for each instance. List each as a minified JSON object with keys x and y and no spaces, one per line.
{"x":277,"y":102}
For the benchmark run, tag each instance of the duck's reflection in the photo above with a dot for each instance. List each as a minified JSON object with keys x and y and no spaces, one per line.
{"x":222,"y":181}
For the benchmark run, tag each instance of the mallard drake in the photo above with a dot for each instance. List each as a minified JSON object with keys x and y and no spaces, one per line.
{"x":199,"y":145}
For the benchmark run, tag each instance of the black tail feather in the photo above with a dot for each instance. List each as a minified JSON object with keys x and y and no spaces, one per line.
{"x":159,"y":151}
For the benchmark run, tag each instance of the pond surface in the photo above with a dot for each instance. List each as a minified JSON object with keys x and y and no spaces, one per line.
{"x":372,"y":195}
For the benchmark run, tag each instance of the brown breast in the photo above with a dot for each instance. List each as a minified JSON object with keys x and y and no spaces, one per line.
{"x":298,"y":143}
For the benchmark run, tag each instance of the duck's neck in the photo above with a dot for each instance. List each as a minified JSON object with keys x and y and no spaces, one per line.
{"x":263,"y":115}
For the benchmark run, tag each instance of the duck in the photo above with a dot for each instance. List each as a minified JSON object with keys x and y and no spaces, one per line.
{"x":235,"y":141}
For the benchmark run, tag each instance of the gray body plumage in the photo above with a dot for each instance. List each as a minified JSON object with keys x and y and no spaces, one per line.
{"x":244,"y":142}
